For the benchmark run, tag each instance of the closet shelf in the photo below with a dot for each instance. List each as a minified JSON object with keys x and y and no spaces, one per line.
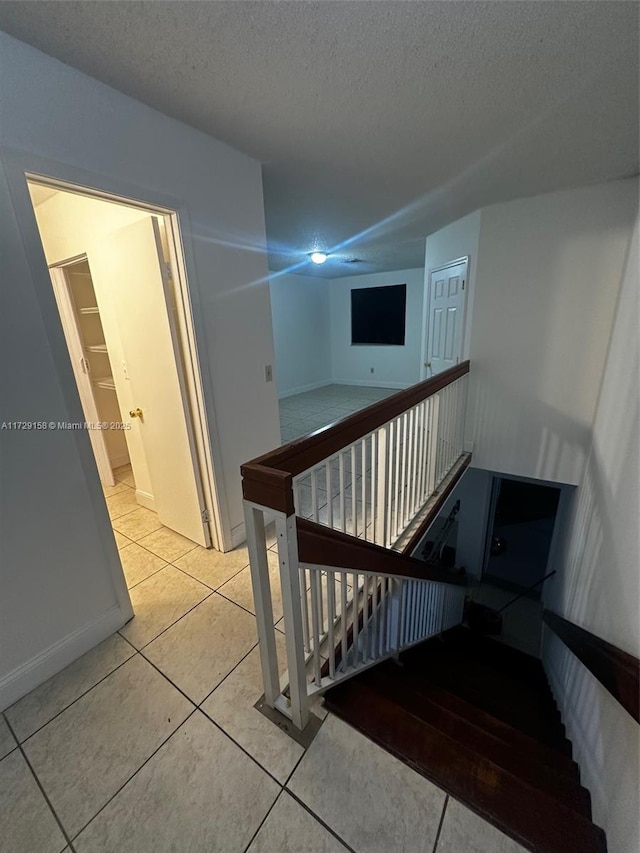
{"x":98,"y":348}
{"x":105,"y":382}
{"x":92,"y":310}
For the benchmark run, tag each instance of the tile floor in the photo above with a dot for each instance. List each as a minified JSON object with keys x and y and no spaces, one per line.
{"x":303,"y":413}
{"x":150,"y":742}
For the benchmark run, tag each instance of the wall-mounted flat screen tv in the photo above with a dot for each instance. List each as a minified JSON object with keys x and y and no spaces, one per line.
{"x":378,"y":315}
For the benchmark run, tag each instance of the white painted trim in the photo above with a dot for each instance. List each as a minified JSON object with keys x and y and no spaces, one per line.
{"x":428,"y":272}
{"x":146,"y":500}
{"x":238,"y":535}
{"x":302,"y":388}
{"x":239,"y":532}
{"x":20,"y":681}
{"x":205,"y":431}
{"x":21,"y":166}
{"x":120,"y":461}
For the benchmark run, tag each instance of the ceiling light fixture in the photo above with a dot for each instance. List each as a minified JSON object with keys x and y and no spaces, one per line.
{"x":318,"y":257}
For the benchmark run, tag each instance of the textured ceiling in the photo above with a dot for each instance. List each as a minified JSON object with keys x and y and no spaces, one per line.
{"x":376,"y":122}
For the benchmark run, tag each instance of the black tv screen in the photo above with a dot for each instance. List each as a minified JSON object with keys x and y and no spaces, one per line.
{"x":378,"y":315}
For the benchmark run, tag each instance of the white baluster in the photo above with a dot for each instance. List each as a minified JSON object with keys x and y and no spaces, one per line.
{"x":315,"y":621}
{"x":382,"y":502}
{"x":331,"y":615}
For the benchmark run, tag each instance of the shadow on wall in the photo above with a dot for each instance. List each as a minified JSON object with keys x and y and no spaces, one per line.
{"x":607,"y":741}
{"x":596,"y":588}
{"x":518,"y":435}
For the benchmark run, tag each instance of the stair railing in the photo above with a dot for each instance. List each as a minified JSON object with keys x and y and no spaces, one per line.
{"x":375,"y":478}
{"x":381,"y":604}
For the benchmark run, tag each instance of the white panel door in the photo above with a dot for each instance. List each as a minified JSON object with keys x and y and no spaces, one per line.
{"x":127,"y":268}
{"x":445,"y":318}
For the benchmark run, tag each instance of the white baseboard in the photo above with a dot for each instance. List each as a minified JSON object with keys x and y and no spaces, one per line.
{"x":119,"y":461}
{"x":22,"y":680}
{"x":371,"y":383}
{"x":239,"y":533}
{"x":145,"y":500}
{"x":302,"y":388}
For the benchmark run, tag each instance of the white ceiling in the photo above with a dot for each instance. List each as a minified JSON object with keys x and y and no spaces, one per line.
{"x":393,"y":116}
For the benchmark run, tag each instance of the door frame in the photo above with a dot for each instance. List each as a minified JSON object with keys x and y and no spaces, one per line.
{"x":70,"y":325}
{"x":185,"y":354}
{"x":20,"y":168}
{"x":465,"y":259}
{"x":563,"y":510}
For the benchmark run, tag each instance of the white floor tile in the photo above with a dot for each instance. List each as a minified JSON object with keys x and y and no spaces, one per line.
{"x":88,"y":752}
{"x":159,"y":601}
{"x":211,"y":567}
{"x":369,"y":798}
{"x":198,"y":793}
{"x":167,"y":544}
{"x":27,"y":824}
{"x":109,"y":491}
{"x":57,"y":693}
{"x":7,"y":740}
{"x":290,"y":828}
{"x":141,"y":522}
{"x":231,"y":706}
{"x":462,"y":829}
{"x":138,"y":563}
{"x":122,"y":503}
{"x":121,"y":541}
{"x":204,"y":646}
{"x":239,"y":588}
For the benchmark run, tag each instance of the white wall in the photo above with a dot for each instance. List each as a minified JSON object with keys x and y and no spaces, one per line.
{"x":56,"y":601}
{"x":301,"y":332}
{"x":548,"y":274}
{"x":599,"y":588}
{"x":458,"y":240}
{"x":394,"y":366}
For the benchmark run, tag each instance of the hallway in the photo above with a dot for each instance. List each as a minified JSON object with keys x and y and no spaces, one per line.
{"x":159,"y":719}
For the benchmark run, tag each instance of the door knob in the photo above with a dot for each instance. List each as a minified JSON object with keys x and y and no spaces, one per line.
{"x":136,"y":413}
{"x":427,"y":364}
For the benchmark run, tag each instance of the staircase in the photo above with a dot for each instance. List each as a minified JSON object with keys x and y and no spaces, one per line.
{"x":478,"y":719}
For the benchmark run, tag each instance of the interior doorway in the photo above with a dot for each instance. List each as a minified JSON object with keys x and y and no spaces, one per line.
{"x":520,"y":532}
{"x":120,"y":290}
{"x":444,"y":329}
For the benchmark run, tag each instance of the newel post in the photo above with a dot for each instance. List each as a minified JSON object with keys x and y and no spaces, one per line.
{"x":259,"y":566}
{"x":287,"y":538}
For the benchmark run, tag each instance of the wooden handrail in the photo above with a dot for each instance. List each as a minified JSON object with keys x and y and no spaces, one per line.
{"x":267,"y":479}
{"x":617,"y":671}
{"x":323,"y":546}
{"x":440,"y":500}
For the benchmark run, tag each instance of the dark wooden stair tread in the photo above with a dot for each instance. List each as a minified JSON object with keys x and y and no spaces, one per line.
{"x":497,"y":748}
{"x":513,"y":662}
{"x":484,"y":676}
{"x":536,"y":722}
{"x":534,"y":818}
{"x":558,"y":761}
